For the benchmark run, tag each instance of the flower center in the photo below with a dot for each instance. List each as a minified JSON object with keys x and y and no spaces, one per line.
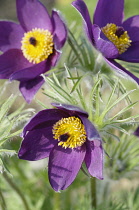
{"x":118,"y":36}
{"x":37,"y":45}
{"x":70,"y":132}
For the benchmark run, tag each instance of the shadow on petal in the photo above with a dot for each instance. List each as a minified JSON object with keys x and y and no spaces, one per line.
{"x":64,"y":165}
{"x":29,"y":88}
{"x":37,"y":144}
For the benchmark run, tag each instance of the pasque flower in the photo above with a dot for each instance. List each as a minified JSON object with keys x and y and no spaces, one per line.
{"x":32,"y":47}
{"x":68,"y":138}
{"x":109,"y":34}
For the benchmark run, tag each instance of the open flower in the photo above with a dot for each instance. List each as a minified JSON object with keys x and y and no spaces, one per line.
{"x":68,"y":138}
{"x":32,"y":47}
{"x":109,"y":35}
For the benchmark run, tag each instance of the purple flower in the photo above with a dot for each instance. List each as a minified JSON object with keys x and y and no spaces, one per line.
{"x":32,"y":47}
{"x":68,"y":138}
{"x":109,"y":35}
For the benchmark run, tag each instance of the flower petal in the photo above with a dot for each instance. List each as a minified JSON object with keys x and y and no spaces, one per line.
{"x":136,"y":132}
{"x":94,"y":159}
{"x":44,"y":118}
{"x":70,"y":109}
{"x":12,"y":61}
{"x":91,"y":131}
{"x":29,"y":73}
{"x":109,"y":11}
{"x":29,"y":88}
{"x":132,"y":53}
{"x":102,"y":44}
{"x":64,"y":165}
{"x":37,"y":144}
{"x":36,"y":69}
{"x":33,"y":14}
{"x":82,"y":9}
{"x":121,"y":70}
{"x":10,"y":35}
{"x":54,"y":58}
{"x":59,"y":28}
{"x":131,"y":25}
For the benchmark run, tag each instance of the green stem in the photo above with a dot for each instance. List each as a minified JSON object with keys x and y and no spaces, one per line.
{"x":82,"y":100}
{"x":57,"y":201}
{"x":12,"y":184}
{"x":91,"y":117}
{"x":93,"y":193}
{"x":3,"y":205}
{"x":98,"y":64}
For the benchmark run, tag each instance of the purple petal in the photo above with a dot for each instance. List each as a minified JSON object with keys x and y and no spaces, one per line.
{"x":57,"y":45}
{"x":136,"y":132}
{"x":60,"y":29}
{"x":54,"y":58}
{"x":70,"y":109}
{"x":132,"y":53}
{"x":27,"y":74}
{"x":29,"y":88}
{"x":64,"y":165}
{"x":37,"y":144}
{"x":36,"y":69}
{"x":131,"y":25}
{"x":109,"y":11}
{"x":91,"y":131}
{"x":33,"y":14}
{"x":121,"y":70}
{"x":31,"y":72}
{"x":102,"y":44}
{"x":94,"y":159}
{"x":11,"y":35}
{"x":44,"y":118}
{"x":12,"y":61}
{"x":82,"y":9}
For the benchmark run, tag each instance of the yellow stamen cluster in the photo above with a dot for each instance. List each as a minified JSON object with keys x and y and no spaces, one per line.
{"x":37,"y":45}
{"x":122,"y":42}
{"x":71,"y":128}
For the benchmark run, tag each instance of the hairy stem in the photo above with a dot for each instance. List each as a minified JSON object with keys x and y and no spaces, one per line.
{"x":17,"y":190}
{"x":93,"y":193}
{"x":3,"y":204}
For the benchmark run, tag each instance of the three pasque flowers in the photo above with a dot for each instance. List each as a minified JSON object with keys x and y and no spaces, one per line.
{"x":32,"y":47}
{"x":64,"y":133}
{"x":68,"y":138}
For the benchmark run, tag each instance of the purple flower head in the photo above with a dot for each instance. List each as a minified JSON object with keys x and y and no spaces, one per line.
{"x":68,"y":138}
{"x":109,"y":34}
{"x":32,"y":47}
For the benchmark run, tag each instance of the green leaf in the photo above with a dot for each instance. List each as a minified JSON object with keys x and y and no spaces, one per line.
{"x":107,"y":109}
{"x":7,"y":152}
{"x":124,"y":110}
{"x":77,"y":83}
{"x":5,"y":107}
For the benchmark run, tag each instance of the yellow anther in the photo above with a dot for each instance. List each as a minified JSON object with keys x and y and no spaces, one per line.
{"x":121,"y":41}
{"x":70,"y":132}
{"x":37,"y":45}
